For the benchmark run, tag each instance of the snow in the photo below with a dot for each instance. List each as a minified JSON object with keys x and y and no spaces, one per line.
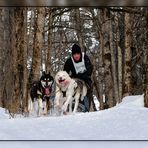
{"x":126,"y":121}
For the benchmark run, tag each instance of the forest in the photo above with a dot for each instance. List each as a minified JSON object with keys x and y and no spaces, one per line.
{"x":115,"y":39}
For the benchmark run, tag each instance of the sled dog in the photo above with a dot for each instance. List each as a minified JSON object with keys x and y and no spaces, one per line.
{"x":67,"y":90}
{"x":40,"y":94}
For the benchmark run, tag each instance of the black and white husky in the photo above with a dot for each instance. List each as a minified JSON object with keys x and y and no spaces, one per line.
{"x":40,"y":93}
{"x":67,"y":90}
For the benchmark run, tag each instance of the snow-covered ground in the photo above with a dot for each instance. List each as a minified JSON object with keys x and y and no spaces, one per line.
{"x":126,"y":121}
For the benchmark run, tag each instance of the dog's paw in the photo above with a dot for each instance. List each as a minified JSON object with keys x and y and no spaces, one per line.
{"x":65,"y":113}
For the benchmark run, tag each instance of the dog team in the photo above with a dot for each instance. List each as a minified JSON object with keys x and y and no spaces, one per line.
{"x":72,"y":90}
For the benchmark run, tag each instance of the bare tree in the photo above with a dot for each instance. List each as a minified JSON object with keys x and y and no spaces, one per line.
{"x":145,"y":63}
{"x":1,"y":53}
{"x":17,"y":60}
{"x":50,"y":30}
{"x":79,"y":29}
{"x":25,"y":69}
{"x":145,"y":80}
{"x":108,"y":58}
{"x":119,"y":34}
{"x":127,"y":86}
{"x":5,"y":69}
{"x":113,"y":61}
{"x":38,"y":43}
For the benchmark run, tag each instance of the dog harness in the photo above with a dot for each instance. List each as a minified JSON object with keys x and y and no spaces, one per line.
{"x":64,"y":92}
{"x":80,"y":66}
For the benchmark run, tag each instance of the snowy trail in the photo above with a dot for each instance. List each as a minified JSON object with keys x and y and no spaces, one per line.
{"x":126,"y":121}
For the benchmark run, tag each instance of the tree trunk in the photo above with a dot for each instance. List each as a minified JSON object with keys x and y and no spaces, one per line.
{"x":121,"y":47}
{"x":79,"y":26}
{"x":7,"y":67}
{"x":145,"y":81}
{"x":1,"y":54}
{"x":100,"y":61}
{"x":95,"y":84}
{"x":25,"y":70}
{"x":113,"y":64}
{"x":38,"y":44}
{"x":48,"y":60}
{"x":119,"y":74}
{"x":108,"y":79}
{"x":145,"y":67}
{"x":17,"y":54}
{"x":101,"y":75}
{"x":127,"y":82}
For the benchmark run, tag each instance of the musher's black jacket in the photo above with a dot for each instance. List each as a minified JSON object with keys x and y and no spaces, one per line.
{"x":86,"y":76}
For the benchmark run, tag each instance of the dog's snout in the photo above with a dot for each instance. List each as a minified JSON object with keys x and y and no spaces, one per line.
{"x":60,"y":78}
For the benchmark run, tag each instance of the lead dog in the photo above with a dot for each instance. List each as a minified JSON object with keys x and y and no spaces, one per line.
{"x":40,"y":93}
{"x":67,"y":90}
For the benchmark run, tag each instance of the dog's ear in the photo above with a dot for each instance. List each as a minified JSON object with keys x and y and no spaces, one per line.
{"x":49,"y":72}
{"x":43,"y":73}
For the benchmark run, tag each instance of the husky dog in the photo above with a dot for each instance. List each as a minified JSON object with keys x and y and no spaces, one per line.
{"x":67,"y":90}
{"x":40,"y":93}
